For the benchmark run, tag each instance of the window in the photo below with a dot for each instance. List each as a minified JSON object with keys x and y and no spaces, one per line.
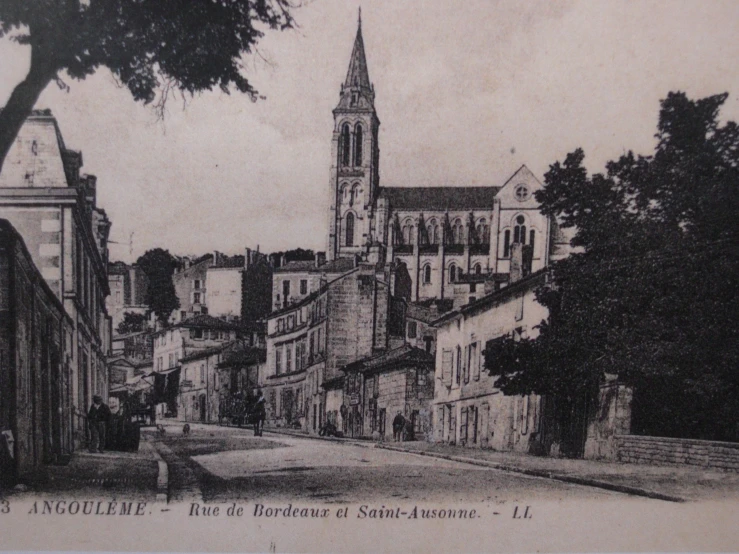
{"x":353,"y":194}
{"x":288,"y":358}
{"x":197,"y":333}
{"x":408,"y":232}
{"x":345,"y":144}
{"x":427,"y":274}
{"x":320,"y":341}
{"x":304,"y":286}
{"x":196,"y":298}
{"x":519,"y":231}
{"x":278,"y":360}
{"x":118,"y":297}
{"x":202,"y":373}
{"x":458,"y":232}
{"x":433,"y":232}
{"x":285,"y":289}
{"x":452,"y":273}
{"x":478,"y":270}
{"x":280,"y":325}
{"x":459,"y":365}
{"x":171,"y":359}
{"x":446,"y":367}
{"x":521,"y":192}
{"x":196,"y":284}
{"x":507,"y":244}
{"x":358,"y":145}
{"x":350,"y":229}
{"x":532,"y":238}
{"x":412,"y":329}
{"x":482,"y":231}
{"x":475,"y":361}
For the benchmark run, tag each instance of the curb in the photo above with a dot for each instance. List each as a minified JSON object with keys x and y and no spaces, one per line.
{"x":584,"y":481}
{"x":337,"y":440}
{"x":163,"y":473}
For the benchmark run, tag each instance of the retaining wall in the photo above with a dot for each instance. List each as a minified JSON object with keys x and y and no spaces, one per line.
{"x":660,"y":450}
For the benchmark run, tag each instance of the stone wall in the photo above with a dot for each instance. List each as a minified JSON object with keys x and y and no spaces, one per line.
{"x":659,"y":450}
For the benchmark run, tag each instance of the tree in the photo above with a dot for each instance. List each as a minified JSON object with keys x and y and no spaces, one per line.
{"x":652,"y":297}
{"x":159,"y":266}
{"x":149,"y":46}
{"x":132,"y":323}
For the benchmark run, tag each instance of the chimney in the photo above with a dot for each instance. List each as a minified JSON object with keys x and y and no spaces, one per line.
{"x":516,"y":271}
{"x":320,"y":258}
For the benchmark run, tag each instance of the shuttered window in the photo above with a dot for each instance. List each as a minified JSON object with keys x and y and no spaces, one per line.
{"x":475,"y":360}
{"x":446,"y":367}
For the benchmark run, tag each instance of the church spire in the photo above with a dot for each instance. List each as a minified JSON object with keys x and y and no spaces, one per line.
{"x":357,"y":76}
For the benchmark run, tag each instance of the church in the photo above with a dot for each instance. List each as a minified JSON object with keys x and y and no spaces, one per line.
{"x":441,"y":234}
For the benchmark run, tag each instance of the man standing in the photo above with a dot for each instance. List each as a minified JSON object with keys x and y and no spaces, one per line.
{"x":260,"y":413}
{"x":398,"y":426}
{"x":98,"y":418}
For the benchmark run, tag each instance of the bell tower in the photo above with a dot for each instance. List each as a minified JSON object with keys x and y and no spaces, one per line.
{"x":355,"y":156}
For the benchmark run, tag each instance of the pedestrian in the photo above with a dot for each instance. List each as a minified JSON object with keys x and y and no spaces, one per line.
{"x":398,"y":426}
{"x":260,"y":413}
{"x":97,"y":419}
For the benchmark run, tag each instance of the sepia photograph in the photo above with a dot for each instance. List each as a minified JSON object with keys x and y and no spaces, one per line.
{"x":344,"y":276}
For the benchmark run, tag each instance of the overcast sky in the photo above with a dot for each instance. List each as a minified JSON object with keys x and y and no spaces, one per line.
{"x":466,"y":93}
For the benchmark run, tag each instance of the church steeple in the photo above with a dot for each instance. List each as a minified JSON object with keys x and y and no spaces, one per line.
{"x":357,"y":90}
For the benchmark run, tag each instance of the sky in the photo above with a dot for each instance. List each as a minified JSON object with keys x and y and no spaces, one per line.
{"x":466,"y":93}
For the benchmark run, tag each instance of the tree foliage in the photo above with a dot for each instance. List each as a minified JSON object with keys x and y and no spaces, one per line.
{"x":159,"y":266}
{"x":651,"y":296}
{"x":132,"y":323}
{"x":148,"y":45}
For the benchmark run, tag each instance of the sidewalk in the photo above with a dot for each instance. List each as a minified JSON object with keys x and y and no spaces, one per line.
{"x":111,"y":475}
{"x":674,"y":483}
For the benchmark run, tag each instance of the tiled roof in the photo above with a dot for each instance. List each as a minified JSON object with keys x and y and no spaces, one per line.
{"x":334,"y":266}
{"x":439,"y":198}
{"x":205,"y":321}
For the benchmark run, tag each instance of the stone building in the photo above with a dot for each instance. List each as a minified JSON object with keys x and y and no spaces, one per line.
{"x":54,"y":208}
{"x":36,"y":353}
{"x":440,"y":233}
{"x":128,"y":288}
{"x":468,"y":408}
{"x":294,"y":281}
{"x":308,"y":343}
{"x":171,"y":345}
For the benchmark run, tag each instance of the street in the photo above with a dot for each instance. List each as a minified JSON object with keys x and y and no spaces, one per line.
{"x":219,"y":464}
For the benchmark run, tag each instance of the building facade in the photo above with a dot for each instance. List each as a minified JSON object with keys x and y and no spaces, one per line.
{"x":440,"y":233}
{"x":128,"y":286}
{"x":53,"y":207}
{"x":36,"y":347}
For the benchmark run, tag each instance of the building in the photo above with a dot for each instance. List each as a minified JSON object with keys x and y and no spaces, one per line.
{"x":128,"y":289}
{"x":195,"y":334}
{"x":53,"y":207}
{"x":468,"y":408}
{"x":440,"y":233}
{"x":295,"y":281}
{"x":234,"y":287}
{"x":351,"y":317}
{"x":215,"y":379}
{"x":36,"y":348}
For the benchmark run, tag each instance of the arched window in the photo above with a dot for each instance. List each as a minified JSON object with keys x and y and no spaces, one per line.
{"x":357,"y":145}
{"x":532,"y":238}
{"x":427,"y":274}
{"x":345,"y":145}
{"x":350,"y":229}
{"x":433,"y":232}
{"x":452,"y":273}
{"x":478,"y":269}
{"x":458,"y":232}
{"x":507,"y":243}
{"x":408,"y":234}
{"x":482,"y":231}
{"x":354,"y":193}
{"x":344,"y":192}
{"x":519,"y":231}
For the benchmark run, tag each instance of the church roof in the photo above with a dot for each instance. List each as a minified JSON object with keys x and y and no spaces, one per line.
{"x":439,"y":198}
{"x":357,"y":75}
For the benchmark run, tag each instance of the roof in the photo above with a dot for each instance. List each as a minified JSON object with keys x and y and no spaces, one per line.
{"x":357,"y":75}
{"x":439,"y":198}
{"x":494,"y":297}
{"x":334,"y":266}
{"x":405,"y":354}
{"x":205,"y":321}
